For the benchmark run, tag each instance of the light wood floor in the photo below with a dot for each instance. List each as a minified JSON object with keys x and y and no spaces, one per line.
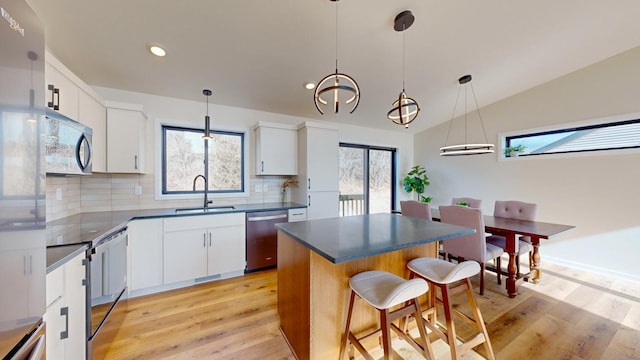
{"x":570,"y":315}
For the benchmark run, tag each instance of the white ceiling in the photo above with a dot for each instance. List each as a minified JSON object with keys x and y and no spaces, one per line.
{"x":257,"y":54}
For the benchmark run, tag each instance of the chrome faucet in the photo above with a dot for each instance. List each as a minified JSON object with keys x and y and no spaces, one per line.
{"x":206,"y":188}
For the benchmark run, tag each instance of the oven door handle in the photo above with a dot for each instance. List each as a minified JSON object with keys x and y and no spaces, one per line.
{"x":265,"y":218}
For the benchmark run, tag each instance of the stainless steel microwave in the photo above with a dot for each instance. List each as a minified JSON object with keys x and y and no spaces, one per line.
{"x":68,"y":146}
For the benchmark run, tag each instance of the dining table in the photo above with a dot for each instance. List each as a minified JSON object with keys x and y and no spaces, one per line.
{"x":511,"y":229}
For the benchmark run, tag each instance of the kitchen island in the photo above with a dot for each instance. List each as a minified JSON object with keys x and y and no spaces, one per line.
{"x":316,"y":258}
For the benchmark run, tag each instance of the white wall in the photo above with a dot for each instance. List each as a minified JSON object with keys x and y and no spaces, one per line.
{"x":597,"y":193}
{"x":162,"y":109}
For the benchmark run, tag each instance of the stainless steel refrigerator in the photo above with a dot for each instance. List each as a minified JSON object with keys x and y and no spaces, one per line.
{"x":22,"y":181}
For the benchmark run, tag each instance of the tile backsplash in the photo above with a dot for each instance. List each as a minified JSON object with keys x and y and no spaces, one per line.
{"x":68,"y":195}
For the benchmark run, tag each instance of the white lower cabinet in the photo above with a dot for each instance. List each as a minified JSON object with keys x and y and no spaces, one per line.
{"x":204,"y":245}
{"x":66,"y":310}
{"x":145,"y":254}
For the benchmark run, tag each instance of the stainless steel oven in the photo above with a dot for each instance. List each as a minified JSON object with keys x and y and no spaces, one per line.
{"x":107,"y":281}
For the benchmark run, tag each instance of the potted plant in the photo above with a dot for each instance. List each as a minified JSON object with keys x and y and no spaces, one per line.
{"x":513,"y":151}
{"x":462,"y":203}
{"x":416,"y":181}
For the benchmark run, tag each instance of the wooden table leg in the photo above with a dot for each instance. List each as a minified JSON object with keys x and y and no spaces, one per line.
{"x":512,"y":250}
{"x":535,"y":263}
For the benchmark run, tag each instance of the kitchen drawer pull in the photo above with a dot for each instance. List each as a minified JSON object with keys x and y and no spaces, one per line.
{"x":204,"y":240}
{"x":263,"y":218}
{"x":51,"y":88}
{"x":65,"y":312}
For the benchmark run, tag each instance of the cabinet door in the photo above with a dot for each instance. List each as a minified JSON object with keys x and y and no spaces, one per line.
{"x":185,"y":255}
{"x":227,"y":249}
{"x":65,"y":101}
{"x":322,"y":204}
{"x":76,"y":300}
{"x":56,"y":325}
{"x":322,"y":159}
{"x":93,"y":114}
{"x":125,"y":141}
{"x":276,"y":151}
{"x":145,"y":253}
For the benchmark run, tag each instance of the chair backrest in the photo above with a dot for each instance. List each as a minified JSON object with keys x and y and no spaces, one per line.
{"x":473,"y":203}
{"x":415,"y":209}
{"x":472,"y":246}
{"x":513,"y":209}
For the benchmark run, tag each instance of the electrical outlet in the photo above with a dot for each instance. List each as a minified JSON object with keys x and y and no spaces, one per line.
{"x":137,"y":190}
{"x":58,"y":194}
{"x":258,"y":188}
{"x":265,"y":188}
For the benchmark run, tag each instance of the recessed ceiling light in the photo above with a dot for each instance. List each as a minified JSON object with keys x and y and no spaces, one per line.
{"x":309,"y":86}
{"x":157,"y":50}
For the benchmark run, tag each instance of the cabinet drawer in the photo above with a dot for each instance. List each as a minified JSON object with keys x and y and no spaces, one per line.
{"x":182,"y":223}
{"x":297,"y":214}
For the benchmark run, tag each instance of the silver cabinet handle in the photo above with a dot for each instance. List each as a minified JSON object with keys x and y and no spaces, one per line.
{"x":309,"y":203}
{"x":65,"y":312}
{"x":308,"y":183}
{"x":135,"y":162}
{"x":262,"y":166}
{"x":204,"y":240}
{"x":209,"y":239}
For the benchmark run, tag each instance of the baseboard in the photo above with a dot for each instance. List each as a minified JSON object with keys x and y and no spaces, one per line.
{"x":593,"y":269}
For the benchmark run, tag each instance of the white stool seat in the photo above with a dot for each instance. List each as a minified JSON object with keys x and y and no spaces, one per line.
{"x":443,"y":272}
{"x":383,"y":290}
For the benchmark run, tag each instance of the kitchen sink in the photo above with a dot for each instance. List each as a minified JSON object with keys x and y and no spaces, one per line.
{"x":204,"y":210}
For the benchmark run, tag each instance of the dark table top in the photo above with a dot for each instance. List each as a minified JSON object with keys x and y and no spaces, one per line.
{"x":355,"y":237}
{"x":497,"y":225}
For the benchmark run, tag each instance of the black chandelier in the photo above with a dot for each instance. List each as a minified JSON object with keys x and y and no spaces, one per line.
{"x":405,"y":109}
{"x":336,"y":83}
{"x":466,"y":148}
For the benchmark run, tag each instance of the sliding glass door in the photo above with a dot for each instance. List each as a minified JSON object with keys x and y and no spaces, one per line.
{"x":367,"y":178}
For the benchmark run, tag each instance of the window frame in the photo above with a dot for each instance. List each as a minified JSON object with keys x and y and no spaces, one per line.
{"x":619,"y":120}
{"x":185,"y":194}
{"x":394,"y":177}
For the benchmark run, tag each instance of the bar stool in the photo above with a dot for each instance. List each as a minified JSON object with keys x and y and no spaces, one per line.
{"x":383,"y":291}
{"x":443,"y":274}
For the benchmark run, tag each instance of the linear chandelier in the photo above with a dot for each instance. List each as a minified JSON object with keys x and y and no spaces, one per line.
{"x":405,"y":109}
{"x":336,"y":83}
{"x":466,"y":148}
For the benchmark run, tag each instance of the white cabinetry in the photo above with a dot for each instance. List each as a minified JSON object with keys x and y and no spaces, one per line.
{"x":204,"y":245}
{"x":68,"y":95}
{"x":276,"y":149}
{"x":145,"y":254}
{"x":94,"y":115}
{"x":299,"y":214}
{"x":125,"y":138}
{"x":318,"y":170}
{"x":22,"y":261}
{"x":66,"y":310}
{"x":61,"y":92}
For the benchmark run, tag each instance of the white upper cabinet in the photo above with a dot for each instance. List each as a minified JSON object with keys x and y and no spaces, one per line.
{"x":126,"y":124}
{"x":94,"y":115}
{"x":276,"y":149}
{"x":318,"y":151}
{"x":68,"y":95}
{"x":61,"y":92}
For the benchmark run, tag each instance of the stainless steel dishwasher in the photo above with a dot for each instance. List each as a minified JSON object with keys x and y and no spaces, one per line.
{"x":262,"y":238}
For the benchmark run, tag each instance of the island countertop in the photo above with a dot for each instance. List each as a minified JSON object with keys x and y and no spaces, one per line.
{"x":355,"y":237}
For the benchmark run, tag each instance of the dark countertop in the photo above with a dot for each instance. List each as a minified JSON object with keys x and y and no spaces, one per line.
{"x":355,"y":237}
{"x":86,"y":228}
{"x":58,"y":255}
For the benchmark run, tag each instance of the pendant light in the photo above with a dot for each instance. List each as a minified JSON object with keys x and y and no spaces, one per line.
{"x":207,"y":121}
{"x":466,"y":148}
{"x":405,"y":109}
{"x":336,"y":83}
